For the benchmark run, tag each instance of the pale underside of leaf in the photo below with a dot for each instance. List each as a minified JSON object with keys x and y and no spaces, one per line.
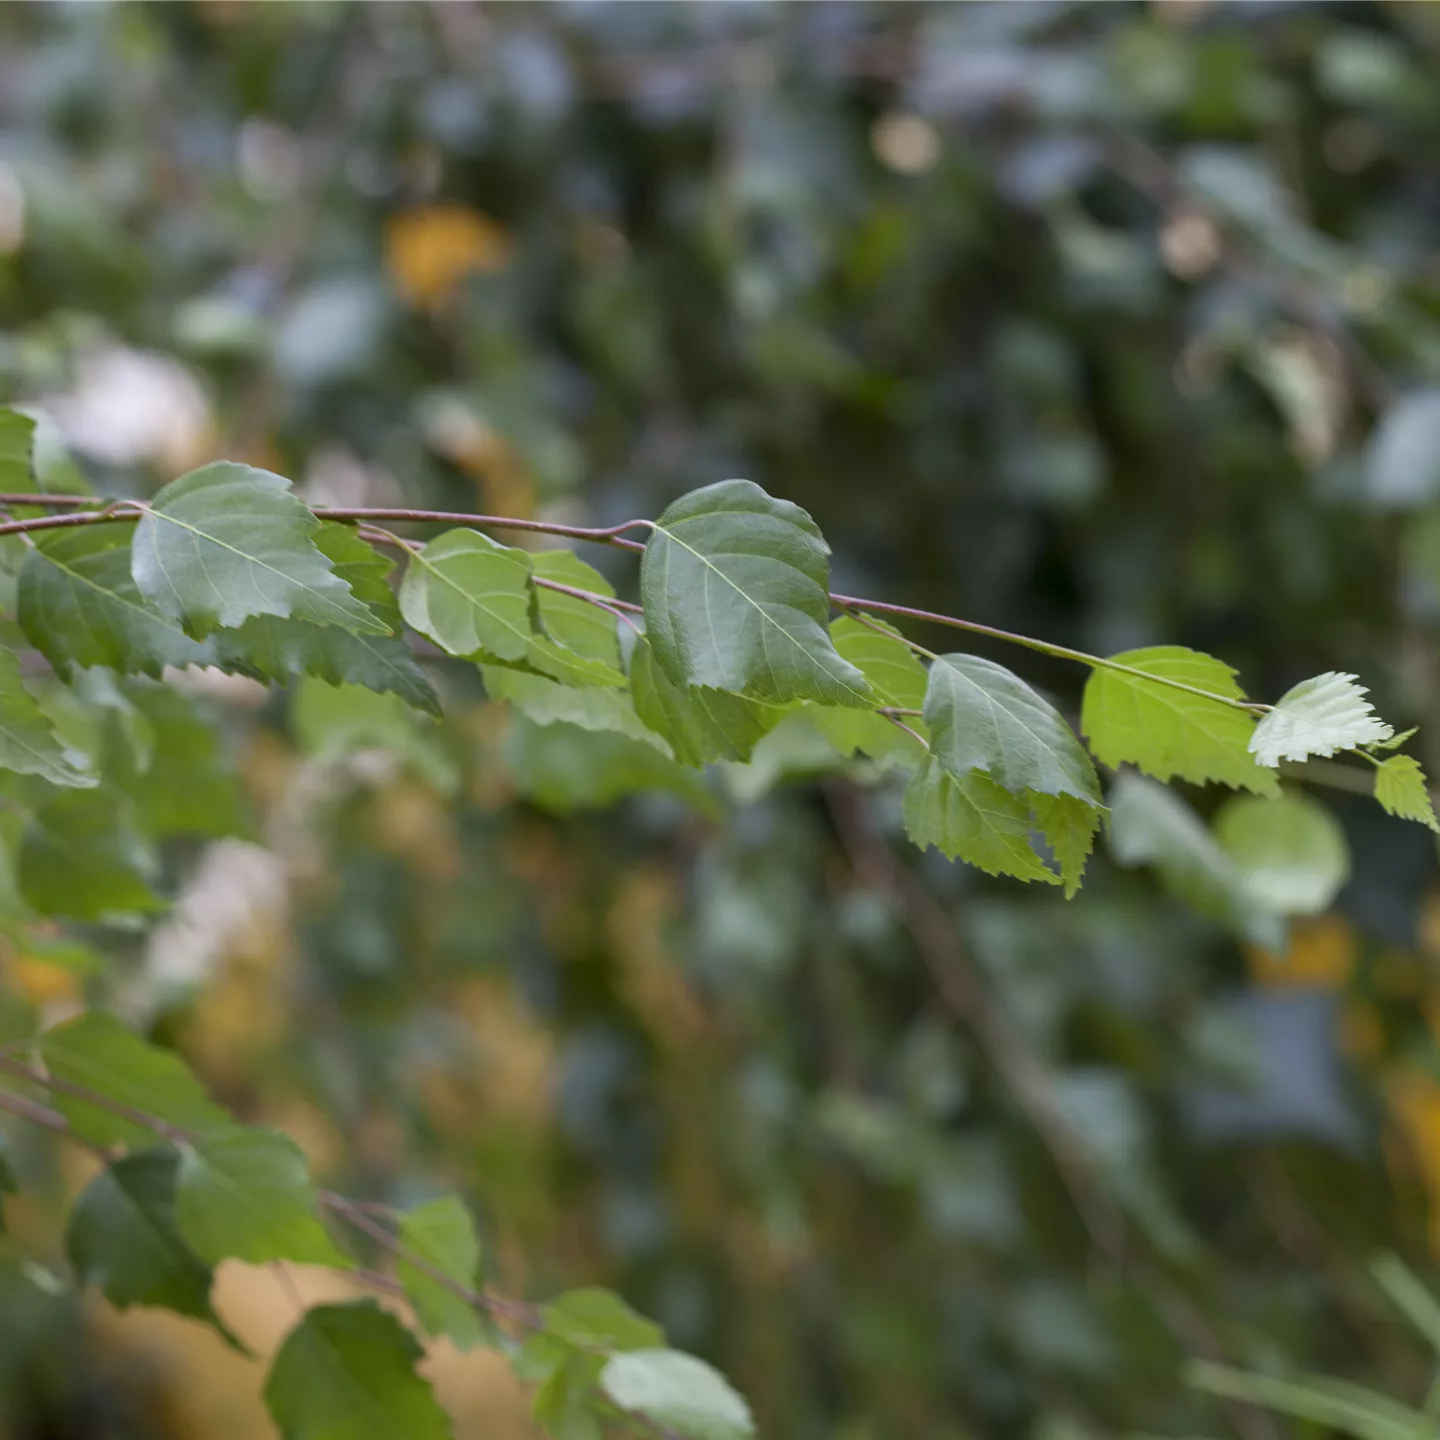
{"x":1319,"y":716}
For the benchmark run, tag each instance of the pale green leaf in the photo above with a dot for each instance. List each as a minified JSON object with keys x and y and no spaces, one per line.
{"x":96,"y":1053}
{"x":562,"y":768}
{"x":1291,"y":852}
{"x":596,"y":1319}
{"x":579,"y":645}
{"x":121,"y":1237}
{"x":1318,"y":717}
{"x":79,"y":606}
{"x":267,"y":647}
{"x":1069,"y":826}
{"x":28,"y":745}
{"x":228,"y":541}
{"x":735,"y":588}
{"x":548,"y":702}
{"x":1165,"y":731}
{"x":1149,"y":825}
{"x":1394,"y":742}
{"x":245,"y":1194}
{"x":1332,"y":1404}
{"x":897,"y":679}
{"x":983,"y":717}
{"x":471,"y":596}
{"x":679,"y":1393}
{"x":974,"y":820}
{"x":1401,"y":789}
{"x":347,"y":1372}
{"x":700,"y":724}
{"x":81,"y":857}
{"x":442,"y":1234}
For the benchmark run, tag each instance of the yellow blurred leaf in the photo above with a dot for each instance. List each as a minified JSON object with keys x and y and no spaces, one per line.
{"x":1322,"y":953}
{"x":427,"y":251}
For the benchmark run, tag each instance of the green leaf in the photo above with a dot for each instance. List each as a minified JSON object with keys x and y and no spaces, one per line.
{"x":1318,"y":717}
{"x":267,"y":647}
{"x":347,"y":1372}
{"x":700,"y":724}
{"x":983,"y":717}
{"x":735,"y":588}
{"x":331,"y":721}
{"x":1401,"y":789}
{"x":27,"y":742}
{"x":245,"y":1194}
{"x":678,"y":1392}
{"x":471,"y":596}
{"x":1151,"y":826}
{"x":596,"y":1319}
{"x":1291,"y":852}
{"x":1167,"y":732}
{"x":17,"y":449}
{"x":8,"y":1185}
{"x":562,"y":768}
{"x":547,"y":702}
{"x":974,"y":820}
{"x":442,"y":1234}
{"x":1069,"y":826}
{"x":79,"y":606}
{"x":81,"y":857}
{"x":187,"y":786}
{"x":96,"y":1052}
{"x":579,"y":646}
{"x":121,"y":1237}
{"x":228,"y":541}
{"x":897,"y":679}
{"x":1394,"y":742}
{"x":1332,"y":1404}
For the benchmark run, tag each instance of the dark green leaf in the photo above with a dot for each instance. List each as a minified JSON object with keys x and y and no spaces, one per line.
{"x":983,"y":717}
{"x":347,"y":1372}
{"x":79,"y":606}
{"x":121,"y":1237}
{"x":735,"y":591}
{"x":228,"y":541}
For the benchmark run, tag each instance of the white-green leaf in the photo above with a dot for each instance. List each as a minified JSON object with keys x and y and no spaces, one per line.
{"x":1401,"y":789}
{"x":96,"y":1053}
{"x":983,"y":717}
{"x":228,"y":541}
{"x":1165,"y":731}
{"x":442,"y":1234}
{"x":27,"y":742}
{"x":347,"y":1372}
{"x":1318,"y":717}
{"x":1149,"y":825}
{"x":1402,"y":462}
{"x":700,"y":724}
{"x":548,"y":702}
{"x":735,"y":588}
{"x":971,"y":818}
{"x":245,"y":1194}
{"x":1291,"y":852}
{"x":471,"y":596}
{"x":1069,"y":826}
{"x":79,"y":606}
{"x":679,"y":1393}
